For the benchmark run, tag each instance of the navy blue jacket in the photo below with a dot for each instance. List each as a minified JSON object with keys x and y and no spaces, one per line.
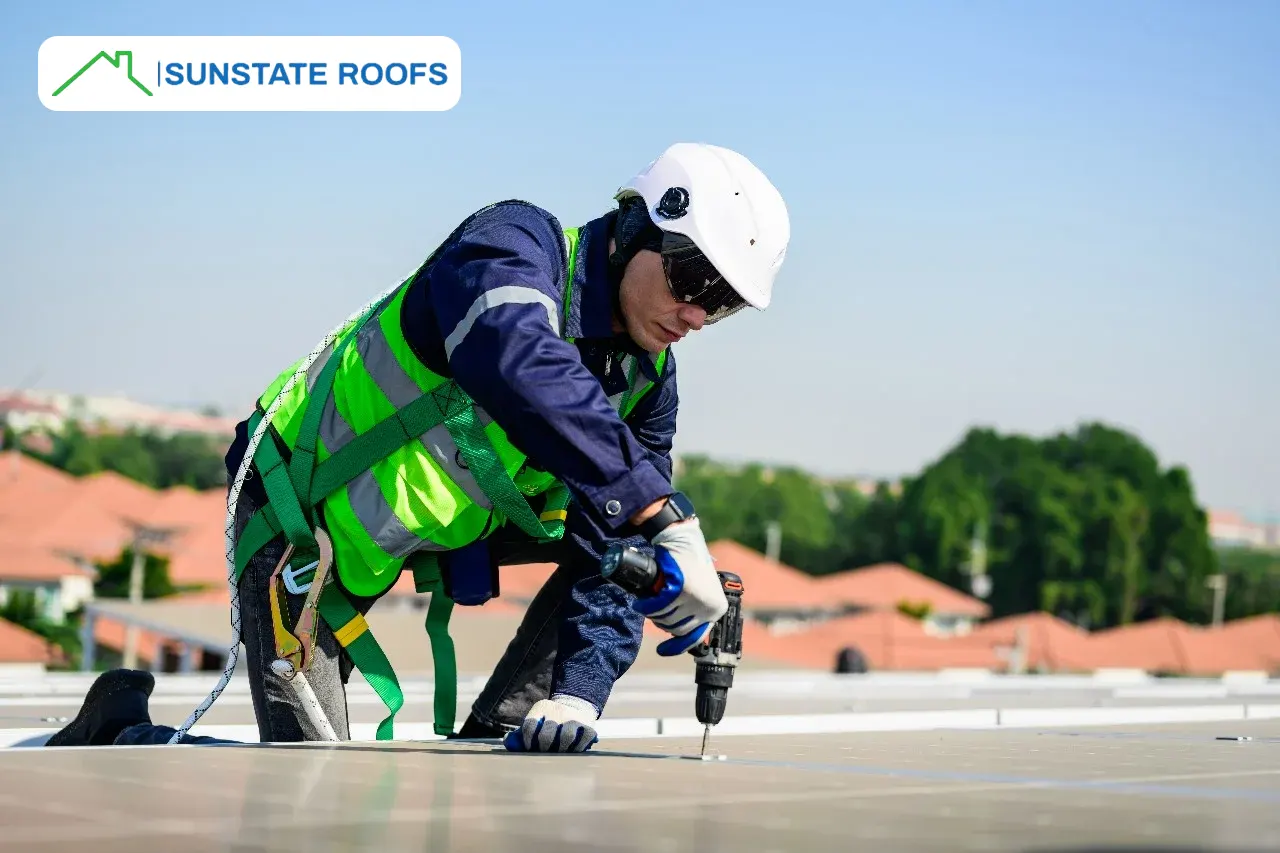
{"x":486,"y":310}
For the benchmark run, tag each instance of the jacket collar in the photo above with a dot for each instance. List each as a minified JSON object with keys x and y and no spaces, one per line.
{"x":594,"y":294}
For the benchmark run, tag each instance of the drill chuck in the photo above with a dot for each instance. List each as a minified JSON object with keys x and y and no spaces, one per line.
{"x":713,"y":682}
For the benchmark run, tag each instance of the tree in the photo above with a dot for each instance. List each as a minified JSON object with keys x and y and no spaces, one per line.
{"x":22,"y":609}
{"x":1253,"y":582}
{"x":1084,"y":524}
{"x":113,"y":577}
{"x":740,"y":502}
{"x":155,"y":460}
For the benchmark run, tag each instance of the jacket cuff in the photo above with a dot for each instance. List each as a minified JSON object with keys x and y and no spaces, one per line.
{"x":616,"y":502}
{"x":577,"y":704}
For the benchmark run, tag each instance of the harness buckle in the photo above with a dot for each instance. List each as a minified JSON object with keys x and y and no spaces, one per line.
{"x":291,"y":575}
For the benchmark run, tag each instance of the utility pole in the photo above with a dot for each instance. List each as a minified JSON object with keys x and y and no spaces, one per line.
{"x":773,"y":540}
{"x":143,"y":536}
{"x":979,"y":580}
{"x":1218,"y":583}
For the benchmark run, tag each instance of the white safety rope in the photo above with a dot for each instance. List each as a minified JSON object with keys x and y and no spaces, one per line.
{"x":233,"y":497}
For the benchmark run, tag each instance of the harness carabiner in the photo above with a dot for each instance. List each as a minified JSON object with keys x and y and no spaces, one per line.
{"x":296,"y":649}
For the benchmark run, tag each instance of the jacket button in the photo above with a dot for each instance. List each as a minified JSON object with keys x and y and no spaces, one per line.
{"x":612,"y":508}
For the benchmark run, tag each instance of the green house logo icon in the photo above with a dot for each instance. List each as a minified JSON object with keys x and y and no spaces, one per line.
{"x":125,"y":56}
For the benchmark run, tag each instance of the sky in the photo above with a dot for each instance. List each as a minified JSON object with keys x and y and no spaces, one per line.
{"x":1013,"y":215}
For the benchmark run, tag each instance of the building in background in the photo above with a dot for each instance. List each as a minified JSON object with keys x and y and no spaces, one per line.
{"x":1231,"y":529}
{"x":52,"y":410}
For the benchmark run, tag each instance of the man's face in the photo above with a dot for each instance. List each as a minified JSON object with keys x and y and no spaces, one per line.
{"x":653,"y":317}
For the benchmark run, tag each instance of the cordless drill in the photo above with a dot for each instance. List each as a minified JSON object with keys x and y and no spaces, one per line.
{"x":639,"y":574}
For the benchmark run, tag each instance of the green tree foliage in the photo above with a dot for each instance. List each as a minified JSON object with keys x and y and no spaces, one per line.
{"x":22,"y":609}
{"x":740,"y":502}
{"x":113,"y":577}
{"x":159,"y":461}
{"x":1253,"y":582}
{"x":1085,"y":524}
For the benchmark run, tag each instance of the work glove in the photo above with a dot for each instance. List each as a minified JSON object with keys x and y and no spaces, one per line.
{"x":559,"y":724}
{"x":691,"y":599}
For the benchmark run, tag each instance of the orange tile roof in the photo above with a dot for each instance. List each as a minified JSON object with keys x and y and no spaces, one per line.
{"x":20,"y":474}
{"x":18,"y":562}
{"x":1170,"y":645}
{"x":73,"y":522}
{"x":199,"y":557}
{"x":1261,"y":633}
{"x":1052,"y":643}
{"x":1151,"y":645}
{"x":760,"y":644}
{"x":126,"y":498}
{"x":19,"y":645}
{"x":892,"y":640}
{"x":887,"y":639}
{"x":183,"y":507}
{"x":767,"y":585}
{"x":886,"y":585}
{"x":1210,"y":652}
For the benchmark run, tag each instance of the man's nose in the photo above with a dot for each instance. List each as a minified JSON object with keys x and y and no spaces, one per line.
{"x":693,"y":316}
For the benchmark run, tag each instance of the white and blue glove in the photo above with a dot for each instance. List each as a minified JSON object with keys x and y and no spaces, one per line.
{"x":562,"y":723}
{"x":691,"y":600}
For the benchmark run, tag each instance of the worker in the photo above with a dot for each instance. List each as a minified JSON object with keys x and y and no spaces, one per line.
{"x":548,"y":352}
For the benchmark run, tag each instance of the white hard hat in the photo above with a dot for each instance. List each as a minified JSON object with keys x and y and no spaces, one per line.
{"x":726,"y":207}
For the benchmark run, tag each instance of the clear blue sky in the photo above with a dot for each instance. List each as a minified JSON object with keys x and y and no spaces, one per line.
{"x":1015,"y":214}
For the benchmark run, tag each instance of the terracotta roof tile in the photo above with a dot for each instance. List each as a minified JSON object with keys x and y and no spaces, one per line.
{"x":763,"y":646}
{"x":891,"y":640}
{"x":886,"y":585}
{"x":182,"y":507}
{"x":19,"y":645}
{"x":1261,"y":633}
{"x":1210,"y":652}
{"x":20,"y":474}
{"x":19,"y":562}
{"x":1169,"y":645}
{"x":199,"y":557}
{"x":767,"y":585}
{"x":128,"y":499}
{"x":1052,"y":643}
{"x":887,"y":639}
{"x":73,"y":522}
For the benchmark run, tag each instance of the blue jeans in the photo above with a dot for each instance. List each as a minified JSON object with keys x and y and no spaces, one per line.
{"x":578,"y":636}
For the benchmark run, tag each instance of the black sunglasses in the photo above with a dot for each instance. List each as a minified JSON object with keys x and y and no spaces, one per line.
{"x":692,"y":278}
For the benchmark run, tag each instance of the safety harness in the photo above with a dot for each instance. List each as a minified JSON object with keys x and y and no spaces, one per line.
{"x":295,"y":488}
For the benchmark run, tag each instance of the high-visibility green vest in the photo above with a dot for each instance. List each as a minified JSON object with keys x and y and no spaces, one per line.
{"x":404,"y":466}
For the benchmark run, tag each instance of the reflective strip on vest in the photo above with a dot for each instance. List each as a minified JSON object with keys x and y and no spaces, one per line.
{"x":368,"y":529}
{"x":400,"y":390}
{"x":371,"y":508}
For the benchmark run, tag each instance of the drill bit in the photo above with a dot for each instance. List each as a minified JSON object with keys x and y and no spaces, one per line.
{"x":706,"y":732}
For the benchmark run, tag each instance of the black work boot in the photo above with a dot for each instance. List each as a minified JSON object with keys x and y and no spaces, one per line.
{"x":117,"y":700}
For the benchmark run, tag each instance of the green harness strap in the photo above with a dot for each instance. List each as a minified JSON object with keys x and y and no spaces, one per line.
{"x":352,"y":632}
{"x":286,"y":512}
{"x":426,"y":578}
